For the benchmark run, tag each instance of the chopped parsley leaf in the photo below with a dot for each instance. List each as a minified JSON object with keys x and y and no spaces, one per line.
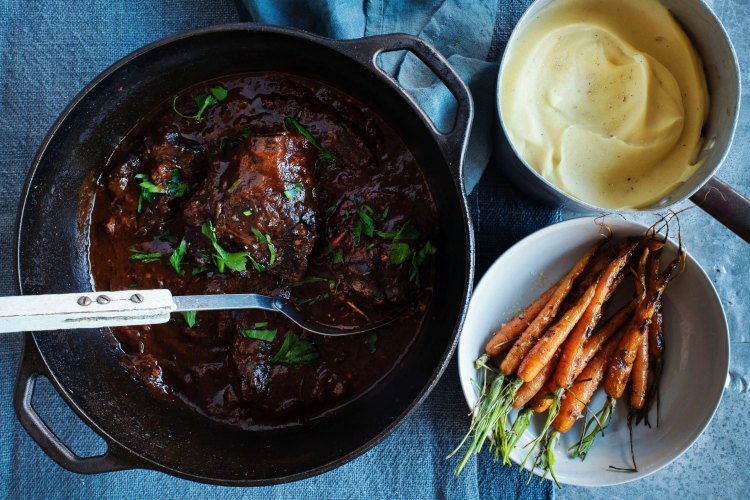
{"x":175,"y":188}
{"x":312,"y":279}
{"x":314,"y":300}
{"x":370,"y":341}
{"x":399,"y":253}
{"x":247,"y":213}
{"x":337,"y":256}
{"x":189,"y":317}
{"x":145,"y":257}
{"x":295,"y":351}
{"x":293,"y":125}
{"x":418,"y":259}
{"x":176,"y":258}
{"x":235,"y":261}
{"x":265,"y":238}
{"x":257,"y":265}
{"x":148,"y":190}
{"x":258,"y":332}
{"x":216,"y":94}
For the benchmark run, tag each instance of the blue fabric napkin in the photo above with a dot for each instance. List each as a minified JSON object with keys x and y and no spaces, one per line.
{"x":50,"y":50}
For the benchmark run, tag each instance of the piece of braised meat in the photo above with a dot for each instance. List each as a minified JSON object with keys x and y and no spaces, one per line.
{"x":261,"y":199}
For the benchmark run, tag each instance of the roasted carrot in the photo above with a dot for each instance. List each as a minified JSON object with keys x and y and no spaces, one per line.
{"x":579,"y":394}
{"x":612,"y":326}
{"x":655,"y":328}
{"x":530,"y":389}
{"x":639,"y":376}
{"x":510,"y":331}
{"x":656,"y":332}
{"x":604,"y":333}
{"x":540,"y":355}
{"x":622,"y":362}
{"x":529,"y":337}
{"x":591,"y":317}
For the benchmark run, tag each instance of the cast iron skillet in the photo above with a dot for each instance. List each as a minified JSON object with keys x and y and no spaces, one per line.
{"x":142,"y":432}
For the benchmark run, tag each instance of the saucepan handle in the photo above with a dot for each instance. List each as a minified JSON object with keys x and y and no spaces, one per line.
{"x":452,"y":143}
{"x":32,"y":367}
{"x":726,"y":205}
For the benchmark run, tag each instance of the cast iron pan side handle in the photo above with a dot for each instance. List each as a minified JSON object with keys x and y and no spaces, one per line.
{"x":31,"y":368}
{"x":453,"y":143}
{"x":726,"y":205}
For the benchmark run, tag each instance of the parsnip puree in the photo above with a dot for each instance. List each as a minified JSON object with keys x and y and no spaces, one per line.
{"x":605,"y":99}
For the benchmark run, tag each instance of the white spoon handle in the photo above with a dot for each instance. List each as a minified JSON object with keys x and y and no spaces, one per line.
{"x":84,"y":310}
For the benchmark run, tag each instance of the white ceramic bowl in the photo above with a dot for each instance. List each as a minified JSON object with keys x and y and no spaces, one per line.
{"x":695,"y":364}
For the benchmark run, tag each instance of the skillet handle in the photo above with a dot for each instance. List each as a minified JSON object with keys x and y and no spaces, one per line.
{"x":32,"y":367}
{"x":452,"y":143}
{"x":726,"y":205}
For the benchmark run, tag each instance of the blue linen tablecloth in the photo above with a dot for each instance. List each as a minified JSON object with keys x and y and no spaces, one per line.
{"x":51,"y":50}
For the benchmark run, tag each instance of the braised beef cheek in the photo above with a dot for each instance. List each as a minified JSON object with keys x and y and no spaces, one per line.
{"x":275,"y":184}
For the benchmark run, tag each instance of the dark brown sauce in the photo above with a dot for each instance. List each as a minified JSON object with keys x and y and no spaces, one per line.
{"x":243,"y":169}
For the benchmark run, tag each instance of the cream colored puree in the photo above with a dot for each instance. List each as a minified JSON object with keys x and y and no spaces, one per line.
{"x":605,"y":99}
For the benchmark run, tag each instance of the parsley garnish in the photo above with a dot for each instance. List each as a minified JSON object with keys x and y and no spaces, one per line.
{"x":265,"y":238}
{"x":175,"y":188}
{"x":216,"y":94}
{"x":291,"y":193}
{"x":295,"y":351}
{"x":337,"y":256}
{"x":407,"y":232}
{"x":197,"y":270}
{"x":370,"y":342}
{"x":314,"y":300}
{"x":247,"y":213}
{"x":236,"y":261}
{"x":312,"y":279}
{"x":258,"y":332}
{"x":190,"y":318}
{"x":148,"y":190}
{"x":417,"y":259}
{"x":293,"y":125}
{"x":176,"y":258}
{"x":399,"y":253}
{"x":145,"y":257}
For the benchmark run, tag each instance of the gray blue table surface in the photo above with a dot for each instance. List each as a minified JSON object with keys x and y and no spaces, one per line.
{"x":83,"y":38}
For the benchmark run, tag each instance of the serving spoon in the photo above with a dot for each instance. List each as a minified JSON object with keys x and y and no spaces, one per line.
{"x":141,"y":307}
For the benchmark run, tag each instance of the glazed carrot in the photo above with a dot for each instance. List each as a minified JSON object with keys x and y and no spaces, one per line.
{"x":622,"y":362}
{"x":655,"y":329}
{"x":529,"y":337}
{"x":613,"y":325}
{"x":503,"y":337}
{"x":639,"y":376}
{"x":541,"y":354}
{"x":599,"y":337}
{"x":576,"y":398}
{"x":606,"y":286}
{"x":530,"y":389}
{"x":656,"y":332}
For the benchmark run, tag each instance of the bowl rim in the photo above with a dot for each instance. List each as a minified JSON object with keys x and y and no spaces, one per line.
{"x":580,"y":205}
{"x":466,"y":373}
